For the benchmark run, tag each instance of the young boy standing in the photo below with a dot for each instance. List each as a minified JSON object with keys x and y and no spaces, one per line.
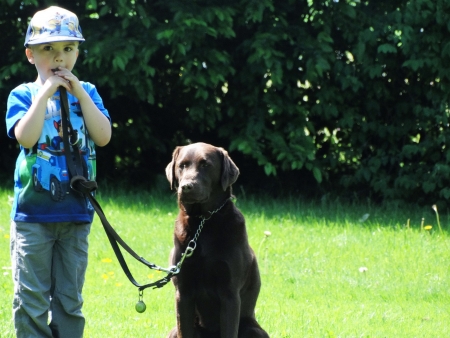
{"x":50,"y":222}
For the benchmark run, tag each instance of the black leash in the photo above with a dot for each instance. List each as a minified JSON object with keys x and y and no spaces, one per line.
{"x":79,"y":183}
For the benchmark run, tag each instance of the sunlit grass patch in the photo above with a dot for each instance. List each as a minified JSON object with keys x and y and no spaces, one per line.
{"x":327,"y":270}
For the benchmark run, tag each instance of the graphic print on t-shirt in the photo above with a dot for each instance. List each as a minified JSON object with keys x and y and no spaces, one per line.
{"x":49,"y":171}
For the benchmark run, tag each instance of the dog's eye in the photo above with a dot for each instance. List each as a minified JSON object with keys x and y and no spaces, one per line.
{"x":182,"y":166}
{"x":204,"y":163}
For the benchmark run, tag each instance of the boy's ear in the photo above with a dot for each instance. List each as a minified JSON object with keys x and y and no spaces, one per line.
{"x":29,"y":54}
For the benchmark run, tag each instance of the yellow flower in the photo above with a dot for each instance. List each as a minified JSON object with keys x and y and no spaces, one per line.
{"x":106,"y":260}
{"x":427,"y":227}
{"x":6,"y":236}
{"x":105,"y":276}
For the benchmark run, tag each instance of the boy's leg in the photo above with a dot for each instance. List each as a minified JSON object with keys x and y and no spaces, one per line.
{"x":68,"y":275}
{"x":31,"y":258}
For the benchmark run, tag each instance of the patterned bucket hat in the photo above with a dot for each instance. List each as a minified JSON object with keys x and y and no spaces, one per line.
{"x":51,"y":25}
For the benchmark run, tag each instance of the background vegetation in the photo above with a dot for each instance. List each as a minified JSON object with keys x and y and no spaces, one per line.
{"x":313,"y":97}
{"x":330,"y":270}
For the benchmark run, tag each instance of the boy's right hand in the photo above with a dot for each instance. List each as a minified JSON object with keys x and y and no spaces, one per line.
{"x":52,"y":84}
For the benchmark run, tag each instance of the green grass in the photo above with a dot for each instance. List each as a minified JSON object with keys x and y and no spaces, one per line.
{"x":324,"y":272}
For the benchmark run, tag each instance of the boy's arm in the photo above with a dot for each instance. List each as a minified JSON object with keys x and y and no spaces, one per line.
{"x":97,"y":124}
{"x":29,"y":128}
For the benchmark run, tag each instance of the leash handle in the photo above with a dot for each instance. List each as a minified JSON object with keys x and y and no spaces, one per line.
{"x":74,"y":162}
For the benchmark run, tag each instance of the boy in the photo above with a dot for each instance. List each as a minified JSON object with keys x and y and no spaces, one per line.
{"x":50,"y":222}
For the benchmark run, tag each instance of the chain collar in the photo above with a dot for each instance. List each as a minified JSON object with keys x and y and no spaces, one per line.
{"x":193,"y":242}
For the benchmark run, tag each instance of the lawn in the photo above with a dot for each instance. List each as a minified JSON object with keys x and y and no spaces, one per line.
{"x":328,"y":269}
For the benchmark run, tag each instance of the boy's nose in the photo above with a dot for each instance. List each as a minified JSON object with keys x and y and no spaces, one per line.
{"x":58,"y":57}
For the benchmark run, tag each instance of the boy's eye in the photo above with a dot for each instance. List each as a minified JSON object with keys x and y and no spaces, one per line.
{"x":68,"y":49}
{"x":48,"y":48}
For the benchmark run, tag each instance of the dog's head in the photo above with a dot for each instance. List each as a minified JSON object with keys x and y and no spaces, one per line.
{"x":199,"y":170}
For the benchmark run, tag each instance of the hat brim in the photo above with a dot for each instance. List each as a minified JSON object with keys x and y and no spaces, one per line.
{"x":53,"y":39}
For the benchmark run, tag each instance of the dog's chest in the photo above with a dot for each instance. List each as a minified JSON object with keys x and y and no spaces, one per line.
{"x":209,"y":241}
{"x":215,"y":242}
{"x":219,"y":241}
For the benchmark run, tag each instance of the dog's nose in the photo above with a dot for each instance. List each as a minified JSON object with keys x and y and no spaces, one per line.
{"x":186,"y":187}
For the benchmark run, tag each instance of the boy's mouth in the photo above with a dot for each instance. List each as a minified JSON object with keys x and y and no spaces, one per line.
{"x":54,"y":69}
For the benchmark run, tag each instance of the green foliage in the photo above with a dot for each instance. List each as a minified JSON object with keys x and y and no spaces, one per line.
{"x":351,"y":94}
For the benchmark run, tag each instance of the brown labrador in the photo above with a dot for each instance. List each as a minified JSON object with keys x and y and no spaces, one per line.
{"x":217,"y":287}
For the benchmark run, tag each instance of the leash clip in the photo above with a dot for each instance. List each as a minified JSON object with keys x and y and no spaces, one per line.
{"x":190,"y":248}
{"x":174,"y":269}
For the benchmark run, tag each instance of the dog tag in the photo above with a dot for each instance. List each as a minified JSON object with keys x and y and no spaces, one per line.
{"x":140,"y":306}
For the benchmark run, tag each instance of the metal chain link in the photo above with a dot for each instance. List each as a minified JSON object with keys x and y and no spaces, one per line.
{"x":193,"y":242}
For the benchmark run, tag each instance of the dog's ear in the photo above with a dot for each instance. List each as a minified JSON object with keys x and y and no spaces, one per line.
{"x":170,"y":170}
{"x":230,"y":171}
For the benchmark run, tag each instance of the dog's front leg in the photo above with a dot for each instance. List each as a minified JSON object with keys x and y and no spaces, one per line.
{"x":230,"y":306}
{"x":185,"y":315}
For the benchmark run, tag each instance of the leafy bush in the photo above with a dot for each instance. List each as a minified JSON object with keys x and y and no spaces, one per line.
{"x":351,"y":95}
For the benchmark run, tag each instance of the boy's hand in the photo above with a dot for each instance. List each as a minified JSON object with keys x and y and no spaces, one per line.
{"x":69,"y":81}
{"x":52,"y":84}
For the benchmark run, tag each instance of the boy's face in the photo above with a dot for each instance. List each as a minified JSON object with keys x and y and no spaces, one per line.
{"x":48,"y":56}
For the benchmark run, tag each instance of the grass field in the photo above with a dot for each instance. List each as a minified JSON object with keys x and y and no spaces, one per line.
{"x":328,"y":270}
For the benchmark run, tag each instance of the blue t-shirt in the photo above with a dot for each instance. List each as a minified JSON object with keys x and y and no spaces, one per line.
{"x":41,"y":191}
